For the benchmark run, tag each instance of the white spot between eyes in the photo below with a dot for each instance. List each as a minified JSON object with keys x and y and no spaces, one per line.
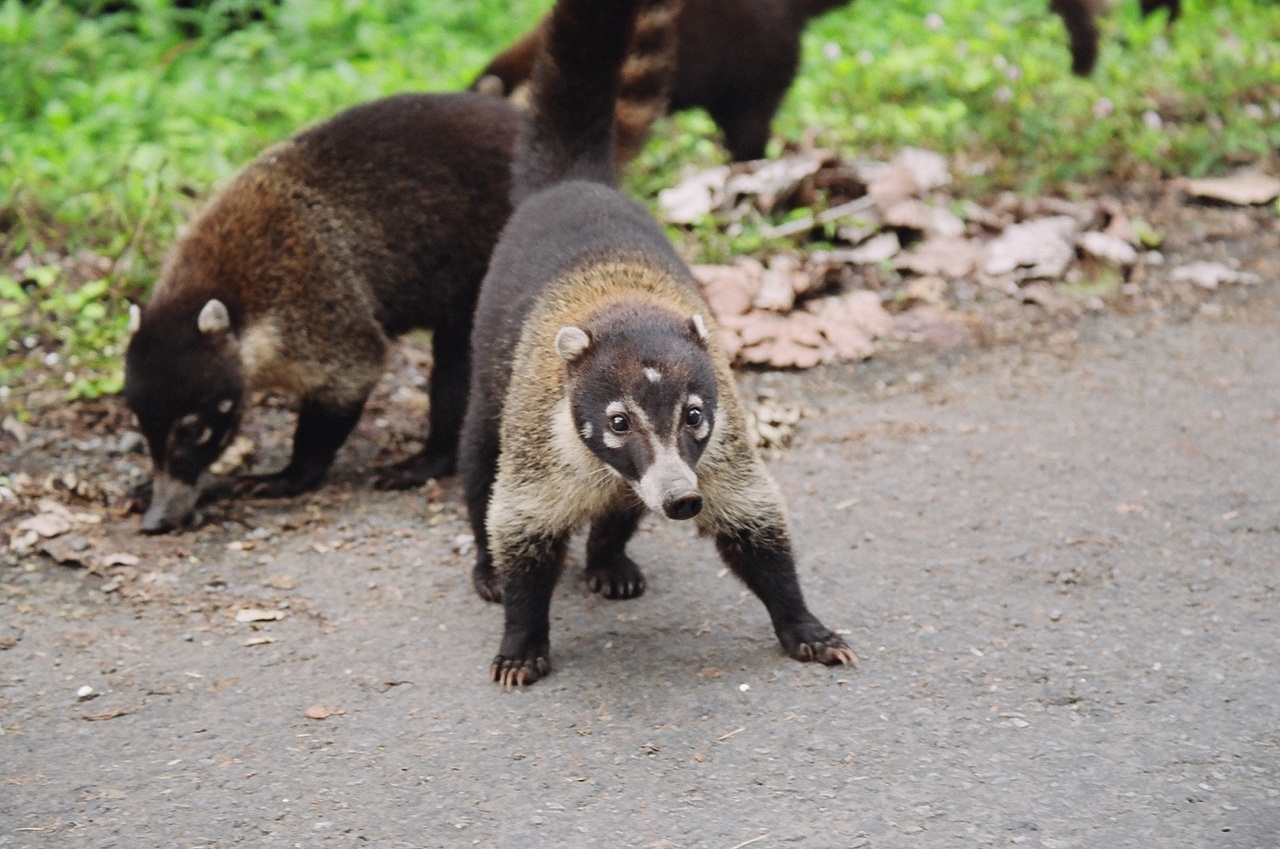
{"x":653,"y":374}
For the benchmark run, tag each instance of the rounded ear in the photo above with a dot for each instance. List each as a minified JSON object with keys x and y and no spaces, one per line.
{"x":571,"y":343}
{"x":214,"y":317}
{"x":135,"y":318}
{"x":490,"y":84}
{"x":699,"y":328}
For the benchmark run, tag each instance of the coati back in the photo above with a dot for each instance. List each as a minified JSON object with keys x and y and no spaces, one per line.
{"x":302,"y":269}
{"x":737,"y":58}
{"x":600,"y":389}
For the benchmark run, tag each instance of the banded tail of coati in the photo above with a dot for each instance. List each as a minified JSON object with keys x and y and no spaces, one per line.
{"x":299,"y":272}
{"x":600,"y":389}
{"x":737,"y":58}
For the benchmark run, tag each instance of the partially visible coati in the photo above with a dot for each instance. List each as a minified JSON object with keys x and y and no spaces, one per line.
{"x":600,"y":389}
{"x":737,"y":58}
{"x":300,"y":271}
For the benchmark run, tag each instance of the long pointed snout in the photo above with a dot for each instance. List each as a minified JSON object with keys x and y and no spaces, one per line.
{"x":172,"y":503}
{"x":669,"y":486}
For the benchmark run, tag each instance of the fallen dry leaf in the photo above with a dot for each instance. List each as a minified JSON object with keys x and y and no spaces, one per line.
{"x":120,"y":558}
{"x":942,"y":256}
{"x":730,"y":289}
{"x":695,"y":196}
{"x":1107,"y":246}
{"x":774,"y":180}
{"x":1243,"y":188}
{"x":1210,"y":275}
{"x":876,"y":249}
{"x":1039,"y":248}
{"x":323,"y":712}
{"x":255,"y":614}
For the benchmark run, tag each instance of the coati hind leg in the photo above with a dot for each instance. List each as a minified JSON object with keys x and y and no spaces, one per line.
{"x":533,"y":565}
{"x":746,"y":123}
{"x":321,"y":430}
{"x":439,"y":456}
{"x":610,"y":572}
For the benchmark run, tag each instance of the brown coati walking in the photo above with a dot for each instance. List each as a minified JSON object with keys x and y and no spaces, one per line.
{"x":299,"y":272}
{"x":737,"y":58}
{"x":599,"y":388}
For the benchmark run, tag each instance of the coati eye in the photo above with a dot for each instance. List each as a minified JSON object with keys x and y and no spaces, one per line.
{"x":693,"y":417}
{"x":618,"y":423}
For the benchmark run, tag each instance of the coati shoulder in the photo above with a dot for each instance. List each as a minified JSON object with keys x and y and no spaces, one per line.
{"x":300,"y":271}
{"x":600,"y":390}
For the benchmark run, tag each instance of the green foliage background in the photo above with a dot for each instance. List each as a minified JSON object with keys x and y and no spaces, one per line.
{"x":114,"y":127}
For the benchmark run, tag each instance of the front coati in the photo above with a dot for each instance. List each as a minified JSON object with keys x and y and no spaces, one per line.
{"x":737,"y":58}
{"x":300,"y":271}
{"x":600,"y":389}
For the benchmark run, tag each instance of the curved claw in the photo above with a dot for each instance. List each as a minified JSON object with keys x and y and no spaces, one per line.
{"x":519,"y":671}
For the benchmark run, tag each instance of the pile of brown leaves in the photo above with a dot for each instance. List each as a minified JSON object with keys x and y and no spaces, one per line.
{"x":904,"y":245}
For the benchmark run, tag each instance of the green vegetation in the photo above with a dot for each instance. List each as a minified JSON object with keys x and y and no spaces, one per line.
{"x":116,"y":126}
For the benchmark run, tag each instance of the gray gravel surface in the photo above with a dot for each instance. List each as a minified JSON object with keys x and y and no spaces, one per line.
{"x":1060,"y":566}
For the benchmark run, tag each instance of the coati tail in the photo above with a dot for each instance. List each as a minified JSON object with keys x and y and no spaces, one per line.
{"x":601,"y":59}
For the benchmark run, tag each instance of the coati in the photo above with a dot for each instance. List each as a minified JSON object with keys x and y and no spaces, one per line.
{"x":737,"y":58}
{"x":299,"y":272}
{"x":600,"y":389}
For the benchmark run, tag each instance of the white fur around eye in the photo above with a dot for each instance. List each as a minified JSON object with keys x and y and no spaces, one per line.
{"x":205,"y":436}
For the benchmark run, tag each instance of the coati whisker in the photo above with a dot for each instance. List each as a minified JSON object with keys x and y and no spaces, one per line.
{"x":584,"y":298}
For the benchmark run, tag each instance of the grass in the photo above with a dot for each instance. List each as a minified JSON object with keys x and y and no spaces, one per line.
{"x":115,"y":127}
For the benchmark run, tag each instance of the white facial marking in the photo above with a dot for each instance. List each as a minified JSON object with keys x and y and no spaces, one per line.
{"x":668,"y":477}
{"x":586,"y":430}
{"x":225,"y":405}
{"x":205,"y":436}
{"x":653,"y":374}
{"x":189,"y":419}
{"x":135,"y":318}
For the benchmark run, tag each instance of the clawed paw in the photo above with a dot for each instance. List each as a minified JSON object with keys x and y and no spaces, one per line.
{"x":820,"y":646}
{"x":519,"y":671}
{"x":617,"y":584}
{"x":268,"y":486}
{"x":412,"y":473}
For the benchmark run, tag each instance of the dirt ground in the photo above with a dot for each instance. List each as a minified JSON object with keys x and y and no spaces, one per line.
{"x":1058,"y":559}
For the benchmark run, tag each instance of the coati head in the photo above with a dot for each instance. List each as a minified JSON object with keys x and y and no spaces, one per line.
{"x":642,"y":392}
{"x":184,"y":383}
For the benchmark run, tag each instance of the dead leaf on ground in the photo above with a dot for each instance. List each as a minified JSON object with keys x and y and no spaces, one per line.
{"x":730,"y":289}
{"x":942,"y":256}
{"x":775,"y":180}
{"x":120,"y":558}
{"x":257,"y":614}
{"x":1107,"y":246}
{"x":1211,"y":275}
{"x":873,"y":250}
{"x":237,"y":455}
{"x":323,"y":712}
{"x":1243,"y":188}
{"x":695,"y":196}
{"x":1039,"y":248}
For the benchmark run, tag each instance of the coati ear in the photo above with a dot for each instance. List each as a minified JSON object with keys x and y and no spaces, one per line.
{"x":699,"y":328}
{"x":135,"y":318}
{"x":571,"y":343}
{"x":214,"y":317}
{"x":490,"y":84}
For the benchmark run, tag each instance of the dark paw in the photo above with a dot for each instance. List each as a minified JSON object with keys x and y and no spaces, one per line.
{"x":810,"y":643}
{"x":414,"y":472}
{"x":270,"y":486}
{"x":521,"y":671}
{"x":486,"y":582}
{"x":621,"y":580}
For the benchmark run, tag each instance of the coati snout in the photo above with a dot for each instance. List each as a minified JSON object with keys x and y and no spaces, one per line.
{"x":189,"y":412}
{"x":642,"y":391}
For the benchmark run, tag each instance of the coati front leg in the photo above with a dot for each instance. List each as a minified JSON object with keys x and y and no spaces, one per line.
{"x":761,"y":556}
{"x":449,"y":376}
{"x":478,"y":464}
{"x":531,"y":566}
{"x":321,"y":430}
{"x":610,"y":572}
{"x":745,"y":122}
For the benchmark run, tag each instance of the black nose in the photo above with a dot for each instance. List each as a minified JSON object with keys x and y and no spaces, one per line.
{"x":684,"y":507}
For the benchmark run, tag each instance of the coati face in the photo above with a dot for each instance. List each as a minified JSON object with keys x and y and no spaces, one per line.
{"x":184,"y":384}
{"x":643,"y":398}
